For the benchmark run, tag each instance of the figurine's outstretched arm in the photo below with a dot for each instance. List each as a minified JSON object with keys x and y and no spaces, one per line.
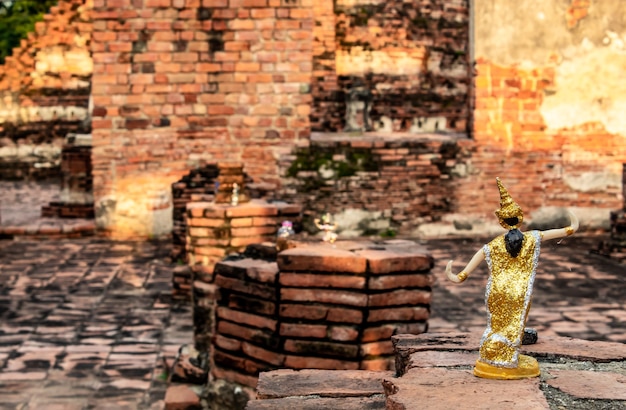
{"x":473,"y":263}
{"x":561,"y":232}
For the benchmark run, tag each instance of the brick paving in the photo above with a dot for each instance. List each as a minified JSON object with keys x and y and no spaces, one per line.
{"x":89,"y":323}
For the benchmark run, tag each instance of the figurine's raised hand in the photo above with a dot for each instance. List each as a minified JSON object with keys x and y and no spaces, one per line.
{"x":478,"y":257}
{"x":454,"y":278}
{"x":561,"y":232}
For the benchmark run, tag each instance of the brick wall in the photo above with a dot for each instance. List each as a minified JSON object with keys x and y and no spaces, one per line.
{"x":177,"y":82}
{"x":395,"y":182}
{"x":412,"y":57}
{"x":578,"y":166}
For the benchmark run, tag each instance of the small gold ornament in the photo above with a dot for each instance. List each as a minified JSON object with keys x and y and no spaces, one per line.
{"x":326,"y":225}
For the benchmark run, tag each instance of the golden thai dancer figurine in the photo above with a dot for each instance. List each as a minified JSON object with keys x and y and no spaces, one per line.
{"x":512,"y":260}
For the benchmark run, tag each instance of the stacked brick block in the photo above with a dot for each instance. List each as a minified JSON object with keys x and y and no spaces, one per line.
{"x":45,"y":84}
{"x":319,"y":306}
{"x":197,"y":186}
{"x":215,"y":231}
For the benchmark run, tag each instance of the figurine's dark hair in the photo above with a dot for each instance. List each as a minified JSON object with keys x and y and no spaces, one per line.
{"x":513,"y":241}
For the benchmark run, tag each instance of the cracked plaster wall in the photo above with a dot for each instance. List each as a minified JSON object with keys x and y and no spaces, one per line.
{"x":588,"y":54}
{"x":549,"y":103}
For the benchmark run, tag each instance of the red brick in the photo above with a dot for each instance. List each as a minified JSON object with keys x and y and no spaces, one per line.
{"x":414,"y":280}
{"x":383,"y":348}
{"x":343,"y":333}
{"x":303,"y":330}
{"x":241,"y":222}
{"x":246,"y":318}
{"x":321,"y":258}
{"x":397,"y":259}
{"x":227,"y":343}
{"x":299,"y":362}
{"x":241,"y":332}
{"x":395,"y":314}
{"x":206,"y":222}
{"x":181,"y":397}
{"x":400,"y":297}
{"x":250,"y":67}
{"x":246,"y":287}
{"x":233,"y":376}
{"x":385,"y":332}
{"x":251,"y":209}
{"x":321,"y":280}
{"x":264,"y":355}
{"x":310,"y":312}
{"x":256,"y":231}
{"x":587,"y":384}
{"x":341,"y":297}
{"x":344,"y":315}
{"x":416,"y":386}
{"x":310,"y":382}
{"x":193,"y":242}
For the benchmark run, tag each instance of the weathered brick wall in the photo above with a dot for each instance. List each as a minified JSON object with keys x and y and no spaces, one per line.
{"x":412,"y":57}
{"x":177,"y":82}
{"x":546,"y":115}
{"x":395,"y":182}
{"x":44,"y":91}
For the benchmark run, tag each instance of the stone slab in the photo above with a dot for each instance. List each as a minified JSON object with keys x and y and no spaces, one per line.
{"x":320,"y":258}
{"x":444,"y":389}
{"x":385,"y":258}
{"x":579,"y":349}
{"x":376,"y":402}
{"x":324,"y":383}
{"x":586,"y":384}
{"x":441,"y":359}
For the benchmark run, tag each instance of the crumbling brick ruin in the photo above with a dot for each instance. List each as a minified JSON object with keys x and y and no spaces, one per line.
{"x":177,"y":84}
{"x":44,"y":92}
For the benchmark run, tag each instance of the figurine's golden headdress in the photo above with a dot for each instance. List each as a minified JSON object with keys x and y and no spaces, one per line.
{"x":508,"y":208}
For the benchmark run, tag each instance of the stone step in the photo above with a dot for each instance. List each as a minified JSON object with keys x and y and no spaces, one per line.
{"x":320,"y":389}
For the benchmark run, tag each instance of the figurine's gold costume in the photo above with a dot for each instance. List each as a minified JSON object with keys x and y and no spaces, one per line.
{"x":512,"y":260}
{"x":507,"y":298}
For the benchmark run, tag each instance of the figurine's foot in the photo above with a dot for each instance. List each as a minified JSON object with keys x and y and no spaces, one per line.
{"x":530,"y":336}
{"x":527,"y":367}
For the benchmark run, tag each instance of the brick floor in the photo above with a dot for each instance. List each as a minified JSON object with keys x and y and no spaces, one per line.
{"x":87,"y":323}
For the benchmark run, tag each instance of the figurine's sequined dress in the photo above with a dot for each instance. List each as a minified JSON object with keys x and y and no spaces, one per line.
{"x":507,"y":298}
